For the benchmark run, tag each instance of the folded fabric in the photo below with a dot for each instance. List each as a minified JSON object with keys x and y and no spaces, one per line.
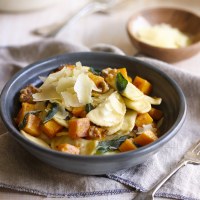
{"x":22,"y":172}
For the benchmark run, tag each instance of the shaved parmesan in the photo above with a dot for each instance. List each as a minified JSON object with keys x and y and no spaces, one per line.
{"x":83,"y":88}
{"x":70,"y":99}
{"x":64,"y":83}
{"x":47,"y":93}
{"x":54,"y":77}
{"x":79,"y":69}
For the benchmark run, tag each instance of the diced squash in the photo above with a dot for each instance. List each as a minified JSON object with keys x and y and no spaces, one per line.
{"x":96,"y":79}
{"x":79,"y":111}
{"x":78,"y":127}
{"x":68,"y":66}
{"x":51,"y":127}
{"x":145,"y":138}
{"x":68,"y":148}
{"x":142,"y":84}
{"x":143,"y":119}
{"x":32,"y":126}
{"x":127,"y":145}
{"x":156,"y":114}
{"x":26,"y":107}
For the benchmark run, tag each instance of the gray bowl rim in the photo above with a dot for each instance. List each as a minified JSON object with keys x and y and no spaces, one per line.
{"x":140,"y":151}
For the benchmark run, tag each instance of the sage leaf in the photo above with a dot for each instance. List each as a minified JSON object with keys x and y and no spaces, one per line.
{"x":110,"y":145}
{"x":89,"y":107}
{"x":121,"y":82}
{"x":95,"y":71}
{"x":51,"y":112}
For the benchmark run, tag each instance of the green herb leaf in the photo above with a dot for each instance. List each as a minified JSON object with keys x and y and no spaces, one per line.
{"x":51,"y":113}
{"x":110,"y":145}
{"x":89,"y":107}
{"x":95,"y":71}
{"x":24,"y":121}
{"x":121,"y":82}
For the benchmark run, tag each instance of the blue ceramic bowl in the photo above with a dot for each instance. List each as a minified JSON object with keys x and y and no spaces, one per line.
{"x":173,"y":106}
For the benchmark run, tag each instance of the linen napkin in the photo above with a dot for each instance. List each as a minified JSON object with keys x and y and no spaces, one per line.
{"x":22,"y":172}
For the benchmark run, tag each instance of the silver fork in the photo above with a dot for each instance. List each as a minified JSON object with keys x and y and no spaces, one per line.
{"x":95,"y":6}
{"x":191,"y":156}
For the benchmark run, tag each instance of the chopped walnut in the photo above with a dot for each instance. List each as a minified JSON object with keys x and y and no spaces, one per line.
{"x":96,"y":132}
{"x":107,"y":71}
{"x":109,"y":76}
{"x":103,"y":86}
{"x":26,"y":94}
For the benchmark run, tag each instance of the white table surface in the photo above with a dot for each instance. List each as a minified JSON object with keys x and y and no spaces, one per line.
{"x":97,"y":28}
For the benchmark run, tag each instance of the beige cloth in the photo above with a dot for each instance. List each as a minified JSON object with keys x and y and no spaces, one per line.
{"x":22,"y":172}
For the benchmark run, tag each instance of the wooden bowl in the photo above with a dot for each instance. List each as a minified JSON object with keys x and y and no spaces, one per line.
{"x":185,"y":21}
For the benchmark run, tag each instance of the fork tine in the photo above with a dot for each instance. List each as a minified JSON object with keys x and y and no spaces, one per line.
{"x":196,"y":148}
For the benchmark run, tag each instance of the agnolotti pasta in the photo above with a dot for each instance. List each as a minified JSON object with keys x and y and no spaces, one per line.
{"x":84,"y":111}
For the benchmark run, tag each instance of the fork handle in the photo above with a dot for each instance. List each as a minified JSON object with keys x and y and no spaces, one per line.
{"x":155,"y":188}
{"x":150,"y":194}
{"x":53,"y":29}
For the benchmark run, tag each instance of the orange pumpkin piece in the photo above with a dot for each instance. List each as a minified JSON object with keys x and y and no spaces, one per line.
{"x":32,"y":126}
{"x":26,"y":107}
{"x":68,"y":148}
{"x":155,"y":113}
{"x":127,"y":145}
{"x":78,"y":127}
{"x":79,"y":111}
{"x":143,"y":85}
{"x":143,"y":119}
{"x":51,"y":127}
{"x":145,"y":138}
{"x":70,"y":66}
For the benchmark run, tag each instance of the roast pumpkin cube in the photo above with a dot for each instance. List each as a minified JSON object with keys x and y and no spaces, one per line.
{"x":32,"y":126}
{"x":143,"y":119}
{"x":142,"y":84}
{"x":68,"y":148}
{"x":156,"y":114}
{"x":145,"y":138}
{"x":26,"y":107}
{"x":79,"y":111}
{"x":127,"y":145}
{"x":51,"y":127}
{"x":78,"y":127}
